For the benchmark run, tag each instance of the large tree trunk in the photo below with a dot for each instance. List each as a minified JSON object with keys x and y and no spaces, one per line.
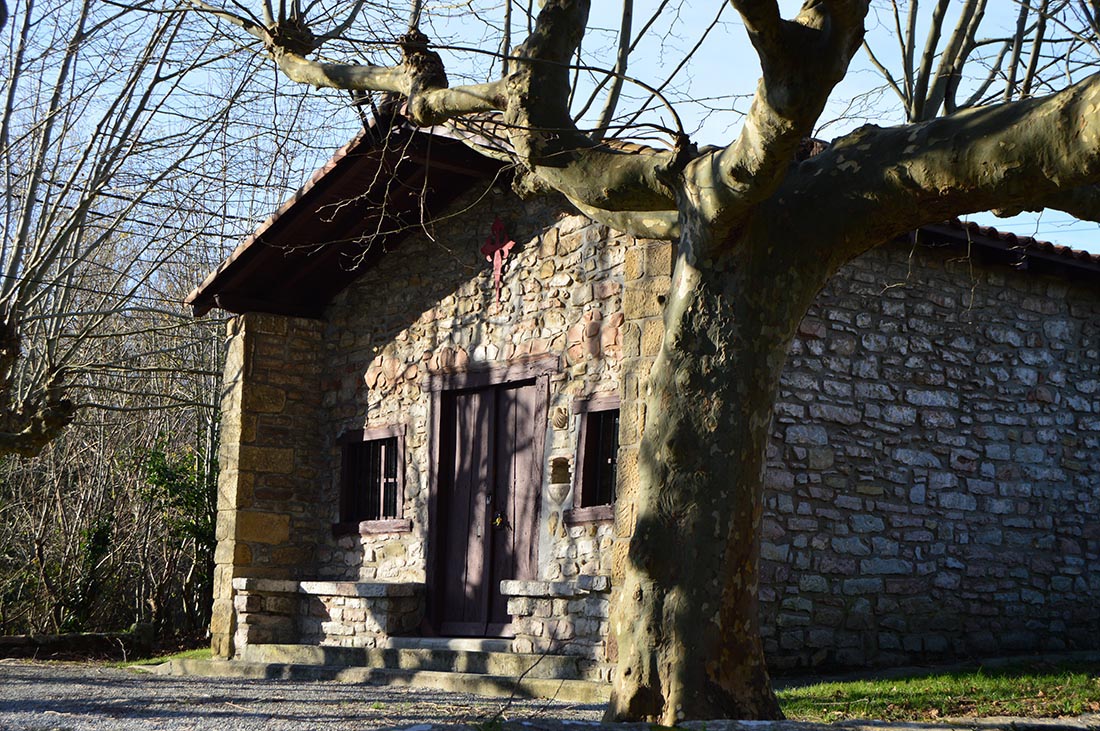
{"x":686,"y":621}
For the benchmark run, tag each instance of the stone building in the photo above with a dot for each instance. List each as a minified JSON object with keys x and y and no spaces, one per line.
{"x":431,"y":419}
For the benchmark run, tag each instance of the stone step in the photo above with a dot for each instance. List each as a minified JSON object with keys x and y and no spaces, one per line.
{"x":574,"y":691}
{"x":438,"y":658}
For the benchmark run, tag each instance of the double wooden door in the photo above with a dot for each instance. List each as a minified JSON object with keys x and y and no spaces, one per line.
{"x":490,"y":475}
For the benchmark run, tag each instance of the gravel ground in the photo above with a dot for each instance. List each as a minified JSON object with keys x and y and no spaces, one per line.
{"x":77,"y":696}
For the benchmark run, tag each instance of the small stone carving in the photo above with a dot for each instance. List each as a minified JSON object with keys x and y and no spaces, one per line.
{"x":560,"y":417}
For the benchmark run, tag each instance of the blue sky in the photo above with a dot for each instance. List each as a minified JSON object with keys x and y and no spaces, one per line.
{"x":725,"y":64}
{"x":712,"y":92}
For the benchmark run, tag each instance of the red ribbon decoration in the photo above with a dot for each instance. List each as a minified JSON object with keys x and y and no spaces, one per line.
{"x":496,"y":250}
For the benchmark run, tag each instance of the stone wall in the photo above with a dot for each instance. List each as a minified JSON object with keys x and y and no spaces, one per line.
{"x":432,"y":306}
{"x":933,"y":484}
{"x":324,"y":613}
{"x":268,"y":458}
{"x":934,"y":471}
{"x":358,"y":614}
{"x":647,"y":273}
{"x":564,"y":618}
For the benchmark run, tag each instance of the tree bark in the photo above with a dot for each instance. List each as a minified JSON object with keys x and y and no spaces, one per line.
{"x":686,"y":624}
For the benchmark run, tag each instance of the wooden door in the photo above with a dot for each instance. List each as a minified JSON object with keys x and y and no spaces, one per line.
{"x":490,"y":474}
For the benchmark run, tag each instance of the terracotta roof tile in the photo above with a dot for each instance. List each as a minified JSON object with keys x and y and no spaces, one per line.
{"x":1027,"y":243}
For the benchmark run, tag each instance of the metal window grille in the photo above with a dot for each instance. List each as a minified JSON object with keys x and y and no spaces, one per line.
{"x":371,"y":480}
{"x":601,"y":451}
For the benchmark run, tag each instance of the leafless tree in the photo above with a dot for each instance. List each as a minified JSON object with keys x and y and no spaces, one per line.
{"x":761,"y":225}
{"x":112,"y":522}
{"x":117,"y":156}
{"x":953,"y":66}
{"x":131,"y":161}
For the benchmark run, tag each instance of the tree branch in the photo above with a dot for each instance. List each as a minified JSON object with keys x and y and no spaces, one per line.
{"x":250,"y":27}
{"x":928,"y":57}
{"x":801,"y":60}
{"x":875,"y":184}
{"x":26,"y":428}
{"x":547,"y":142}
{"x":1017,"y":50}
{"x":953,"y":58}
{"x":536,"y":122}
{"x":432,"y":105}
{"x":662,"y":225}
{"x":890,"y":81}
{"x":1082,"y":202}
{"x":762,"y":20}
{"x":621,"y":59}
{"x":1036,"y":49}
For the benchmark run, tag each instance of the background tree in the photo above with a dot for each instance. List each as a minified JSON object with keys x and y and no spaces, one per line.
{"x":121,"y":151}
{"x":951,"y":66}
{"x":112,"y":522}
{"x":761,"y":225}
{"x":132,"y":157}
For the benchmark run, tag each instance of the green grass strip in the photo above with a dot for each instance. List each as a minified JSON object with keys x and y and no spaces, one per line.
{"x":1028,"y":690}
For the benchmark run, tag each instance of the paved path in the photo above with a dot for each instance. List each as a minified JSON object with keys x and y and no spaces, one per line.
{"x":80,"y":697}
{"x":57,"y":697}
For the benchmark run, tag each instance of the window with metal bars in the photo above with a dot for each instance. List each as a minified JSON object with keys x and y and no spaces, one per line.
{"x":595,"y":473}
{"x":373,"y":467}
{"x":600,"y":458}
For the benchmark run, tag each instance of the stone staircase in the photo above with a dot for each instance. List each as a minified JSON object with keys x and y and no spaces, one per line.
{"x":478,"y":666}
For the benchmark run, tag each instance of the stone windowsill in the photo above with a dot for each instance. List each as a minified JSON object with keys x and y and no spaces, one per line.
{"x":593,"y":514}
{"x":577,"y":587}
{"x":368,"y":589}
{"x":370,"y":527}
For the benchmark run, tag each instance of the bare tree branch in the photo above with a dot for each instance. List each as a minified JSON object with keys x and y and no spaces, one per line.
{"x":428,"y":105}
{"x":954,"y":58}
{"x":621,"y":60}
{"x":802,"y":60}
{"x":240,"y":21}
{"x":1036,"y":50}
{"x":1012,"y":156}
{"x":907,"y":41}
{"x":928,"y":57}
{"x":890,"y":81}
{"x":1017,"y":49}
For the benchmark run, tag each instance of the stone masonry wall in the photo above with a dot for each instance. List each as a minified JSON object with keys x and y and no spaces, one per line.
{"x":934,"y":471}
{"x":647,"y":271}
{"x":933,"y":487}
{"x":431,"y":306}
{"x":563,"y":617}
{"x":325,"y":613}
{"x":358,"y":614}
{"x":268,"y":459}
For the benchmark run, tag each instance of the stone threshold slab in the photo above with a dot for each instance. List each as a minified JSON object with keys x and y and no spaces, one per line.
{"x":577,"y":691}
